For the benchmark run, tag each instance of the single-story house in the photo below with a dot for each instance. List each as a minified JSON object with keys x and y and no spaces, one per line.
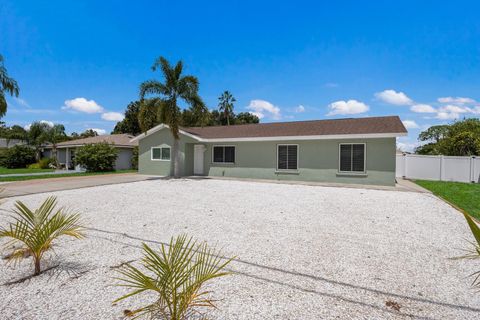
{"x":349,"y":150}
{"x":66,"y":150}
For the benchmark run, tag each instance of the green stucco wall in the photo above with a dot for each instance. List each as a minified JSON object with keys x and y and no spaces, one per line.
{"x":318,"y":160}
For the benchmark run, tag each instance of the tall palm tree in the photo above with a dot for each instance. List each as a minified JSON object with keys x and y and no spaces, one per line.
{"x":174,"y":88}
{"x":225,"y":104}
{"x":8,"y":85}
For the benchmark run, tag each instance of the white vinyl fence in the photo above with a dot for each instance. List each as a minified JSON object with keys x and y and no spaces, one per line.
{"x":443,"y":168}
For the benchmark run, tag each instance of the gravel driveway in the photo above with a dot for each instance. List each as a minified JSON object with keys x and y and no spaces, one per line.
{"x":304,"y":252}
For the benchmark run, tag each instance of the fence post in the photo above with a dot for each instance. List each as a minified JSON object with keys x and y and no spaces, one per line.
{"x":442,"y":168}
{"x":472,"y":169}
{"x":404,"y":166}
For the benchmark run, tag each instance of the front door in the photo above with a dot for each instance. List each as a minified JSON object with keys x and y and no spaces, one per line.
{"x":198,"y":152}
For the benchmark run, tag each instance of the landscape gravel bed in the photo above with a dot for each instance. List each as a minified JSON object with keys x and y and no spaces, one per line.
{"x":302,"y":252}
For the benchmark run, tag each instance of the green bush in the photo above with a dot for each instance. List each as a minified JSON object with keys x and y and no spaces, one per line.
{"x":19,"y":156}
{"x":3,"y":156}
{"x":34,"y":166}
{"x":44,"y":163}
{"x":97,"y":157}
{"x":135,"y":158}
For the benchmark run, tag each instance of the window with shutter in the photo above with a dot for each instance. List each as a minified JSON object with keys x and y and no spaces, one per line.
{"x":223,"y":154}
{"x":287,"y":157}
{"x":352,"y":157}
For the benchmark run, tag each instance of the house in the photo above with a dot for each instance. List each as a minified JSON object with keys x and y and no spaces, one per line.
{"x":340,"y":151}
{"x":66,"y":150}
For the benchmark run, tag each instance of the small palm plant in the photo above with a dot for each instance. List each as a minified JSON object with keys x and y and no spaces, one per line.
{"x":177,"y":274}
{"x":475,"y":252}
{"x":33,"y":232}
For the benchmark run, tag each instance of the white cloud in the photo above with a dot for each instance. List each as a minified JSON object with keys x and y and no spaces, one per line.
{"x":100,"y":132}
{"x":262,"y":109}
{"x":410,"y":124}
{"x":83,"y":105}
{"x":454,"y":109}
{"x":447,"y":115}
{"x":394,"y":97}
{"x":423,"y":108}
{"x":113,"y":116}
{"x":456,"y":100}
{"x":49,"y":123}
{"x":300,"y":109}
{"x":22,"y":102}
{"x":347,"y":107}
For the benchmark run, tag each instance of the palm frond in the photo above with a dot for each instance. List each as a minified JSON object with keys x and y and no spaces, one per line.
{"x":36,"y":230}
{"x":152,"y":87}
{"x":178,"y":272}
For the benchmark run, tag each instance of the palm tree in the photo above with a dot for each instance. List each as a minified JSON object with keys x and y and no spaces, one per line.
{"x":177,"y":274}
{"x":8,"y":85}
{"x":175,"y":87}
{"x":474,"y":253}
{"x":37,"y":136}
{"x":54,"y":135}
{"x":32,"y":232}
{"x":225,"y":105}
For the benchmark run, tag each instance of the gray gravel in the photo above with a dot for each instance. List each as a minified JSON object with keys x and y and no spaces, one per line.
{"x":304,"y":252}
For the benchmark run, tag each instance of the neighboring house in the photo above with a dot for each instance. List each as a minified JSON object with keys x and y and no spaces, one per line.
{"x":8,"y":143}
{"x":342,"y":151}
{"x":122,"y":142}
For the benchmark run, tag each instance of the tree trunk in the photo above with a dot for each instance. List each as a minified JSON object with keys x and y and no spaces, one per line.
{"x":37,"y":266}
{"x":176,"y":158}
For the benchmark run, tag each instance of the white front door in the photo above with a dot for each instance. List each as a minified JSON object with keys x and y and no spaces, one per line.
{"x":198,"y":152}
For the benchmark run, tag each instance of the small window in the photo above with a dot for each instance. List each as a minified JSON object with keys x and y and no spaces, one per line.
{"x":161,"y":153}
{"x":287,"y":157}
{"x":224,"y":154}
{"x":352,"y":157}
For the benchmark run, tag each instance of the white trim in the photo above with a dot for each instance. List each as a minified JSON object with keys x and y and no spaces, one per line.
{"x":277,"y":138}
{"x":298,"y":158}
{"x":151,"y":154}
{"x":351,"y":160}
{"x":222,"y":145}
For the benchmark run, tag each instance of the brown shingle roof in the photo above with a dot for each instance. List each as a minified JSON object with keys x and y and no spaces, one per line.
{"x":372,"y":125}
{"x":119,"y":140}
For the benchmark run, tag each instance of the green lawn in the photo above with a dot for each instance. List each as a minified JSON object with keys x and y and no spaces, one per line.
{"x":464,"y":195}
{"x":50,"y":176}
{"x":4,"y":170}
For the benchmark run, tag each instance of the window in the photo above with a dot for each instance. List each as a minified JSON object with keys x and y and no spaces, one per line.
{"x":224,"y":154}
{"x":161,"y":153}
{"x":352,"y":157}
{"x":287,"y":157}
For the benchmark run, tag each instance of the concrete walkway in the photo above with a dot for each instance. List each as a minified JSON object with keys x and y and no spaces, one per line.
{"x":20,"y":188}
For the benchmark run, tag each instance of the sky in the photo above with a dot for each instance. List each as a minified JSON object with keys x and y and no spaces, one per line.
{"x":80,"y":63}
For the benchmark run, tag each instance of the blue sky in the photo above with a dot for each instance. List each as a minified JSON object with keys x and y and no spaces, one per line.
{"x":80,"y":62}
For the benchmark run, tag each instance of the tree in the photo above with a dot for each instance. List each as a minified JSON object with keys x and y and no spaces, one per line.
{"x":37,"y":136}
{"x":177,"y":275}
{"x":150,"y":113}
{"x":175,"y":87}
{"x":461,"y":138}
{"x":14,"y":132}
{"x":54,"y":135}
{"x":434,"y":133}
{"x":130,"y":124}
{"x":32,"y":232}
{"x":246,"y":118}
{"x":8,"y":85}
{"x":97,"y":157}
{"x":225,"y":105}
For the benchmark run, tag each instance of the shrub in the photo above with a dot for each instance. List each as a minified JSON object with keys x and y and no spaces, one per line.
{"x":34,"y":166}
{"x":32,"y":232}
{"x":135,"y":158}
{"x":19,"y":156}
{"x":177,"y":275}
{"x":44,"y":163}
{"x":96,"y":157}
{"x":3,"y":156}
